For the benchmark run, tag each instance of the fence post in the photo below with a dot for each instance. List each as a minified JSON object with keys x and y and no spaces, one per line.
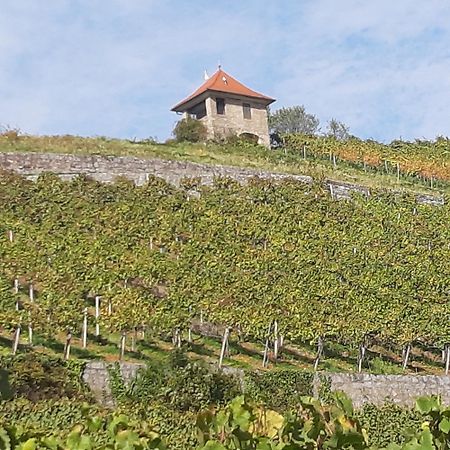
{"x":122,"y":344}
{"x":224,"y":346}
{"x":97,"y":315}
{"x":85,"y":327}
{"x":67,"y":345}
{"x":16,"y":340}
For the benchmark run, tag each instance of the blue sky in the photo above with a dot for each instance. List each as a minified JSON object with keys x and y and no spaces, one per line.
{"x":115,"y":67}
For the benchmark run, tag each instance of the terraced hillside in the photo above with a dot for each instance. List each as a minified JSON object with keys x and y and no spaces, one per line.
{"x":369,"y":274}
{"x":417,"y":166}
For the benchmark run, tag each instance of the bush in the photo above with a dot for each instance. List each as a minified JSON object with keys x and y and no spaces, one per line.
{"x":38,"y":377}
{"x":281,"y":389}
{"x":181,"y":384}
{"x":189,"y":130}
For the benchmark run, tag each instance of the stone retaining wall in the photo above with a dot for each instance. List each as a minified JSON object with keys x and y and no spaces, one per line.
{"x":108,"y":168}
{"x":401,"y":389}
{"x":361,"y":388}
{"x":96,"y":376}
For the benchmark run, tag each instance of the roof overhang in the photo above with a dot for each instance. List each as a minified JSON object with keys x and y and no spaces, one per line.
{"x":191,"y":102}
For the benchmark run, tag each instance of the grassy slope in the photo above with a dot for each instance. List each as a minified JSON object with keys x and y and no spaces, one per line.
{"x":248,"y":156}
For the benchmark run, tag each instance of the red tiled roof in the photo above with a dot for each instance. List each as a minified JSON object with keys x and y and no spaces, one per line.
{"x":222,"y":82}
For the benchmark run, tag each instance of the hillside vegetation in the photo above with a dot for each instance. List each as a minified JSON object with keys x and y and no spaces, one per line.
{"x":418,"y":166}
{"x":358,"y":273}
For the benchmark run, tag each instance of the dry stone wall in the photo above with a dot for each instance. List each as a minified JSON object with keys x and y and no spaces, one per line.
{"x":96,"y":376}
{"x":401,"y":389}
{"x":361,"y":388}
{"x":108,"y":168}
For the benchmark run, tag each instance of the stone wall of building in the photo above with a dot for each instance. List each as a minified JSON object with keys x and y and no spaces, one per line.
{"x":232,"y":122}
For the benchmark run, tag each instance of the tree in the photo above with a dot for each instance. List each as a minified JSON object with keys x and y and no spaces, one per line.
{"x":190,"y":130}
{"x":293,"y":119}
{"x":337,"y":130}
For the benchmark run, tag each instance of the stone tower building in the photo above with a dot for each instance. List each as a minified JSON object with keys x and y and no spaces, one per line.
{"x":227,"y":107}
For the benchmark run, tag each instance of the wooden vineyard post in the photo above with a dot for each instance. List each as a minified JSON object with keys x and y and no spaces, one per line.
{"x":332,"y":191}
{"x":134,"y":339}
{"x":265,"y":361}
{"x":361,"y":355}
{"x":85,"y":328}
{"x":30,"y":324}
{"x":16,"y":291}
{"x":275,"y":340}
{"x":67,"y":345}
{"x":447,"y":358}
{"x":398,"y":172}
{"x":319,"y":353}
{"x":189,"y":337}
{"x":334,"y":161}
{"x":109,"y":307}
{"x":201,"y":317}
{"x":31,"y":292}
{"x":30,"y":329}
{"x":405,"y":355}
{"x":123,"y":337}
{"x":16,"y":340}
{"x":224,"y":346}
{"x":304,"y":152}
{"x":227,"y":348}
{"x":10,"y":235}
{"x":176,"y":338}
{"x":97,"y":315}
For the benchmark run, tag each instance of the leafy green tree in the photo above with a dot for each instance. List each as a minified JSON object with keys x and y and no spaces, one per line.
{"x":293,"y":119}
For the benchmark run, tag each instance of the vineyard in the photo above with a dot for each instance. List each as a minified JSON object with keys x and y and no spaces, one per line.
{"x":269,"y":262}
{"x":424,"y":159}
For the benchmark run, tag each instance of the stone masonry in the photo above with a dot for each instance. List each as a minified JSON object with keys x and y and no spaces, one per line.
{"x":232,"y":121}
{"x":401,"y":389}
{"x":96,"y":376}
{"x":108,"y":168}
{"x":361,"y":388}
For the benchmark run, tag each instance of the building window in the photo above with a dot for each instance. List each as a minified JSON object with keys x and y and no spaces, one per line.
{"x":220,"y":105}
{"x":247,"y":110}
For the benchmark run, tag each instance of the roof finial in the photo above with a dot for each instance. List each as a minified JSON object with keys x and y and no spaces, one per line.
{"x":219,"y":66}
{"x":205,"y":75}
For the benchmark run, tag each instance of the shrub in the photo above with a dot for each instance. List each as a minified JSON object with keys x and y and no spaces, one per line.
{"x":180,"y":384}
{"x":189,"y":130}
{"x":38,"y":377}
{"x":281,"y":389}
